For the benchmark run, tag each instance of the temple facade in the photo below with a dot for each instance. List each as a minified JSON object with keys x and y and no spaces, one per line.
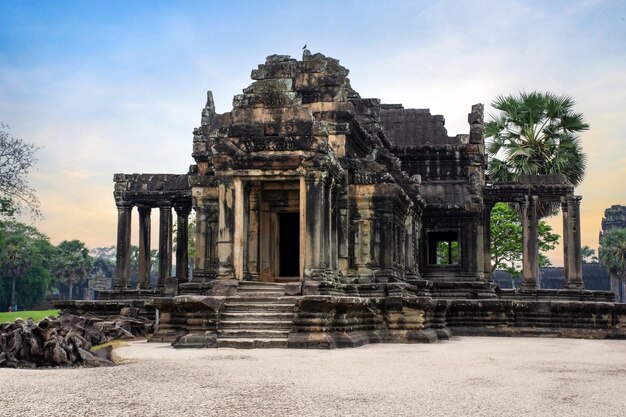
{"x":359,"y":215}
{"x":304,"y":180}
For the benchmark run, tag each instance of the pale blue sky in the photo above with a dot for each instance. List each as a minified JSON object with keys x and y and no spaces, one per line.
{"x":118,"y":86}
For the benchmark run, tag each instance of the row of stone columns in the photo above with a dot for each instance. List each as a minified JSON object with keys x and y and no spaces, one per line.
{"x":572,"y":258}
{"x":124,"y":216}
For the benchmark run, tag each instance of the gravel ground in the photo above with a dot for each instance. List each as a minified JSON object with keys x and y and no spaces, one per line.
{"x":477,"y":376}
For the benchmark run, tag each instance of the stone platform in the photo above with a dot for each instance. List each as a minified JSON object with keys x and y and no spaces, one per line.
{"x":301,"y":315}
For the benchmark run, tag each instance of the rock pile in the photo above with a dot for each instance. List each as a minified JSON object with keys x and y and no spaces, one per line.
{"x":67,"y":340}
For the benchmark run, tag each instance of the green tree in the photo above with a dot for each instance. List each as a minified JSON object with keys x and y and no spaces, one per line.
{"x":34,"y":248}
{"x":17,"y":158}
{"x":613,"y":256}
{"x":588,"y":255}
{"x":15,"y":262}
{"x":72,"y":264}
{"x":506,"y":240}
{"x":535,"y":133}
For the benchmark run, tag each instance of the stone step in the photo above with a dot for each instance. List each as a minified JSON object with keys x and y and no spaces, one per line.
{"x":262,"y":285}
{"x":258,"y":316}
{"x":251,"y":334}
{"x":269,"y":295}
{"x":253,"y":295}
{"x":260,"y":288}
{"x":256,"y":325}
{"x":235,"y":307}
{"x":252,"y":343}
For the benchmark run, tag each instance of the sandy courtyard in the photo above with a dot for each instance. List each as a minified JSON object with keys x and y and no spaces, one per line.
{"x":467,"y":376}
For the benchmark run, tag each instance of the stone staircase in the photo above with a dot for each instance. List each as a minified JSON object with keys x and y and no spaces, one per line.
{"x":259,"y":316}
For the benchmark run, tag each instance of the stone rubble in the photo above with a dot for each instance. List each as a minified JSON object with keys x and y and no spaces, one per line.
{"x":67,"y":340}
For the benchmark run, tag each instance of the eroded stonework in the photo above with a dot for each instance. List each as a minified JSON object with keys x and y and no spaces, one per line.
{"x":325,"y":219}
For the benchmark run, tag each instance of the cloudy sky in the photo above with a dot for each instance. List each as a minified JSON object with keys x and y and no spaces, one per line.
{"x":118,"y":86}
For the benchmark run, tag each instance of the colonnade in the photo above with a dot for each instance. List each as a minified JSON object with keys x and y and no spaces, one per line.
{"x":572,"y":257}
{"x":124,"y":222}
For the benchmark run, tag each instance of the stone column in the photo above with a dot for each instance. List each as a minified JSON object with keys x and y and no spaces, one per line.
{"x":253,"y":212}
{"x":182,"y":241}
{"x":206,"y":238}
{"x":566,"y":238}
{"x":387,"y":244}
{"x":334,"y":240}
{"x":315,"y":219}
{"x":328,"y":232}
{"x":200,"y":207}
{"x":239,"y":229}
{"x":574,"y":277}
{"x":143,"y":263}
{"x":122,"y":269}
{"x":487,"y":240}
{"x":226,"y":228}
{"x":165,"y":243}
{"x":530,"y":246}
{"x":343,"y":227}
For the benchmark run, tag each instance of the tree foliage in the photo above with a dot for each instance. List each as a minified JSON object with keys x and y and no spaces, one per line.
{"x":535,"y":133}
{"x":17,"y":158}
{"x":191,"y":240}
{"x":506,"y":240}
{"x":23,"y":245}
{"x":72,"y":264}
{"x":588,"y":255}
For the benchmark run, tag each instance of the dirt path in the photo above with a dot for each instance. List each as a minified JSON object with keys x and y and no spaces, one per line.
{"x":467,"y":376}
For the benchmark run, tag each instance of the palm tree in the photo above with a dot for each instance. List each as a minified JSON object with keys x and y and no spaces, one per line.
{"x":613,"y":256}
{"x":73,"y":263}
{"x":535,"y":133}
{"x":15,"y":263}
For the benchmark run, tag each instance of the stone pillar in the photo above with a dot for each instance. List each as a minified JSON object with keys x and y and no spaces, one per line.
{"x":487,"y":240}
{"x":206,"y":237}
{"x":143,"y":263}
{"x":328,"y":232}
{"x":165,"y":243}
{"x":253,"y":211}
{"x":364,"y":239}
{"x":200,"y":207}
{"x":315,"y":219}
{"x":530,"y":247}
{"x":122,"y":269}
{"x":182,"y":241}
{"x":343,"y":227}
{"x":574,"y":277}
{"x":334,"y":240}
{"x":226,"y":228}
{"x":239,"y":230}
{"x":566,"y":238}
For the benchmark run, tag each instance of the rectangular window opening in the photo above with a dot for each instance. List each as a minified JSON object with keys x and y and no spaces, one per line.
{"x":443,"y":248}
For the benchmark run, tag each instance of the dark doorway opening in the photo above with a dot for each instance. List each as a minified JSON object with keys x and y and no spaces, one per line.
{"x":289,"y":244}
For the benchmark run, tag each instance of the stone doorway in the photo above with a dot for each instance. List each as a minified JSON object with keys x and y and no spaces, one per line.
{"x":274,"y":230}
{"x":289,"y":244}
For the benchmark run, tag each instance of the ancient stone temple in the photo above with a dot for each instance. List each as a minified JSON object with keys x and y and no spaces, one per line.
{"x":614,"y":218}
{"x":326,"y":219}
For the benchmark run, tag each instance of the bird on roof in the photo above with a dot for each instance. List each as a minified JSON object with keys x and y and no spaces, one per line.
{"x":304,"y":47}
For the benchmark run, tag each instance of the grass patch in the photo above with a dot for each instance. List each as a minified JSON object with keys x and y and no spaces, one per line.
{"x":36,"y":315}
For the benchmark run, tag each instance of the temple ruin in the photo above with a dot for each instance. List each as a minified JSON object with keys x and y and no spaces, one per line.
{"x":324,"y":219}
